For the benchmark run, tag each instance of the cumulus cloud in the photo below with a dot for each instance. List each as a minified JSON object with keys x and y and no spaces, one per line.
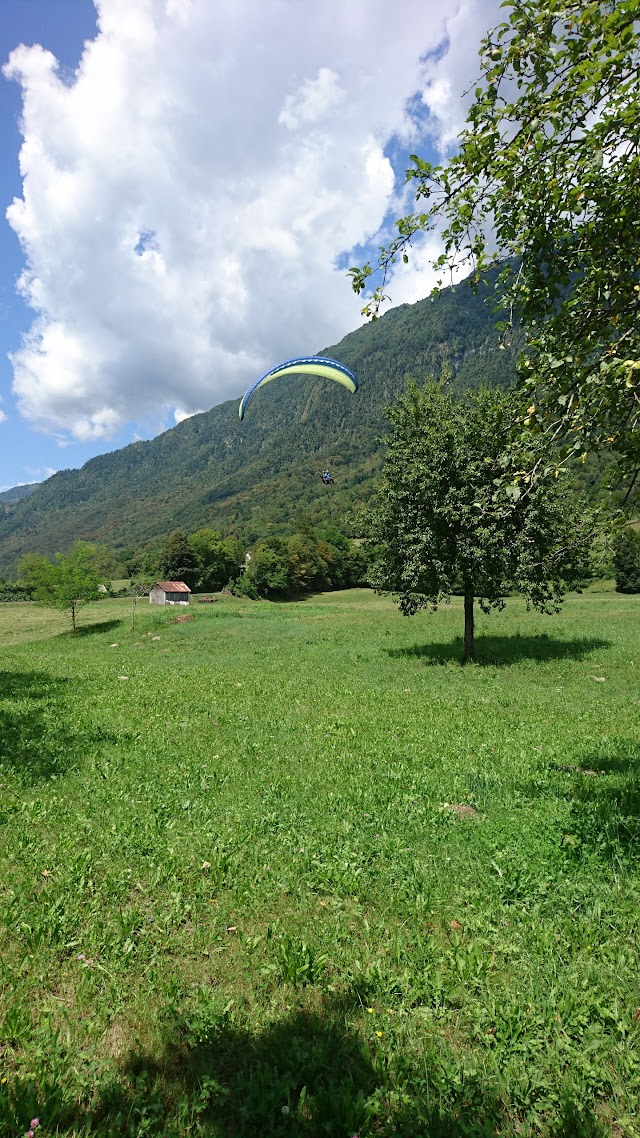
{"x":190,"y":195}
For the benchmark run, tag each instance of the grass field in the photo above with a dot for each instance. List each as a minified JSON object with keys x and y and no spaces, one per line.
{"x":290,"y":870}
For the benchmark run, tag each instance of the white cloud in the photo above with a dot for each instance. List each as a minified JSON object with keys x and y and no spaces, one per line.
{"x":315,"y":99}
{"x":3,"y":417}
{"x":179,"y":414}
{"x":187,"y":197}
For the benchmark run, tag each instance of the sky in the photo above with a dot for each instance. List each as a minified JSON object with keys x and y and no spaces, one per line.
{"x":183,"y":185}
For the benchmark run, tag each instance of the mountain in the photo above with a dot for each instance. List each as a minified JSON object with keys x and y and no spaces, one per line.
{"x":254,"y":477}
{"x":17,"y":493}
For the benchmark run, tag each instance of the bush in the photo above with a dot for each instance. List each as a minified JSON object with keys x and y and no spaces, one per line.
{"x":15,"y":593}
{"x":243,"y":587}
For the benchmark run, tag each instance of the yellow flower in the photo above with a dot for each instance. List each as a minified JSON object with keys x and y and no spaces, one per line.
{"x":379,"y":1034}
{"x":370,"y":1011}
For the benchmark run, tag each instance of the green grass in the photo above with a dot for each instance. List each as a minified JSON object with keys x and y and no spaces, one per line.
{"x":236,"y":898}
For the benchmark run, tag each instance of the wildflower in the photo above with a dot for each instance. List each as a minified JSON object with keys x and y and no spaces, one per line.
{"x":379,"y":1034}
{"x":370,"y":1011}
{"x":34,"y":1124}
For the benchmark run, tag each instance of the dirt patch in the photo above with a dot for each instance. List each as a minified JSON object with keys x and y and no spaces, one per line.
{"x":182,"y":619}
{"x":462,"y":809}
{"x":116,"y":1041}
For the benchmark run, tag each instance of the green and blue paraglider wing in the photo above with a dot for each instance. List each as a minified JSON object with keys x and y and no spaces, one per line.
{"x":303,"y":365}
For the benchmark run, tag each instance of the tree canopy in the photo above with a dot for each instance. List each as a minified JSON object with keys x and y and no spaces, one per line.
{"x":626,"y":560}
{"x":442,"y":522}
{"x":546,"y":183}
{"x":67,"y":582}
{"x":179,"y":561}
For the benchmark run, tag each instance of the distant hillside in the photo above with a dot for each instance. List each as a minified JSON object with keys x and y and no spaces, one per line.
{"x":253,"y":477}
{"x":17,"y":493}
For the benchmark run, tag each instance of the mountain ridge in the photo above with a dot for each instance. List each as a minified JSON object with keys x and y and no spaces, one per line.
{"x":253,"y":477}
{"x":16,"y":493}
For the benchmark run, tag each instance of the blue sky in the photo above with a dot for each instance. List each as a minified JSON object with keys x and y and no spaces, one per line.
{"x":195,"y":180}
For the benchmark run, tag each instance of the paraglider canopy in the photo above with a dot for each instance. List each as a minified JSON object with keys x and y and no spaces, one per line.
{"x":304,"y":365}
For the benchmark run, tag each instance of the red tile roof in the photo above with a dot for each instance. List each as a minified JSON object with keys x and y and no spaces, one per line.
{"x":173,"y":586}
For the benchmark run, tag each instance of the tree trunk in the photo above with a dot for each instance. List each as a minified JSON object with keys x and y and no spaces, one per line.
{"x":469,"y":638}
{"x":73,"y":617}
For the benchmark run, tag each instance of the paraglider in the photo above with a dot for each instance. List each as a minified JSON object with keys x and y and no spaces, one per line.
{"x":326,"y":478}
{"x":303,"y":365}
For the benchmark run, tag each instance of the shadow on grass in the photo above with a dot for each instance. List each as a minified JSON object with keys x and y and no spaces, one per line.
{"x":35,"y":742}
{"x":91,"y":629}
{"x":306,"y":1076}
{"x":501,"y":650}
{"x":605,"y":807}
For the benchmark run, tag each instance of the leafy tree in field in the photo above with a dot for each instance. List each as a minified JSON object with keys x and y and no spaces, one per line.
{"x":548,"y":174}
{"x":66,"y":583}
{"x":219,"y":557}
{"x":442,"y":522}
{"x":268,"y":569}
{"x":626,"y":560}
{"x":308,"y":569}
{"x":179,"y":561}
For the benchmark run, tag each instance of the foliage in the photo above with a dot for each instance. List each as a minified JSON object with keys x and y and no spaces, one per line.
{"x":15,"y":592}
{"x":269,"y":569}
{"x":443,"y":519}
{"x":219,"y":557}
{"x":179,"y":561}
{"x":66,"y":583}
{"x":333,"y":873}
{"x":303,"y":562}
{"x":548,"y":174}
{"x":626,"y":560}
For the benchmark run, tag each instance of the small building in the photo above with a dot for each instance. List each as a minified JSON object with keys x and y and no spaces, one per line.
{"x":170,"y":593}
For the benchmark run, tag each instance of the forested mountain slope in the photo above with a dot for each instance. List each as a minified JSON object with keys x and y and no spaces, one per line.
{"x":17,"y":493}
{"x":252,"y":477}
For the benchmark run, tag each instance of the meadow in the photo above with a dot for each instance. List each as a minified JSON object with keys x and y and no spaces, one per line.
{"x":290,"y":870}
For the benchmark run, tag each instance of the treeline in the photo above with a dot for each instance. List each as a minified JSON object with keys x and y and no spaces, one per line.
{"x":302,"y":562}
{"x":278,"y":567}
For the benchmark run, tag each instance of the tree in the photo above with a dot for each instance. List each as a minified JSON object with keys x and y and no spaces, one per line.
{"x":269,"y":570}
{"x":219,"y":557}
{"x":442,"y":522}
{"x":66,"y":583}
{"x":547,"y":174}
{"x":626,"y":560}
{"x":138,"y":587}
{"x":178,"y":561}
